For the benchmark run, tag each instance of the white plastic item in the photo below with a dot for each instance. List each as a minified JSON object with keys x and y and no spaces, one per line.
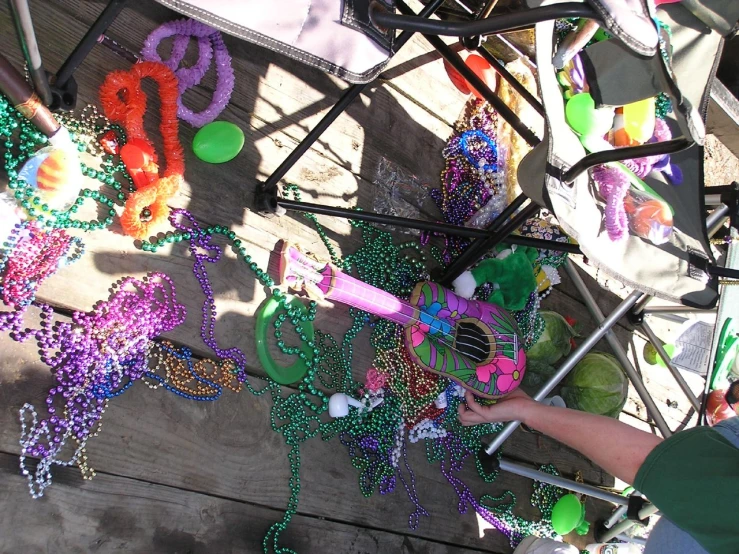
{"x":537,"y":545}
{"x":555,"y":400}
{"x":338,"y":404}
{"x":613,"y":548}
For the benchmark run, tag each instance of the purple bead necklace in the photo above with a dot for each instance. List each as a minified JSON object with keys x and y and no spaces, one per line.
{"x":95,"y":357}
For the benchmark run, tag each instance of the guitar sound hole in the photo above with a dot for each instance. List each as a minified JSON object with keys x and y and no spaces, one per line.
{"x":472,"y":342}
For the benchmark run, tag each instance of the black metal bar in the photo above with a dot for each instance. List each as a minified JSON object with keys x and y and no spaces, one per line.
{"x":347,"y":98}
{"x":29,"y":45}
{"x":726,"y":272}
{"x":349,"y":95}
{"x":453,"y":58}
{"x":475,"y":251}
{"x":515,"y":84}
{"x":507,"y":212}
{"x":543,"y":244}
{"x":488,"y":9}
{"x":383,"y":19}
{"x":619,"y":154}
{"x":431,"y":226}
{"x":78,"y":55}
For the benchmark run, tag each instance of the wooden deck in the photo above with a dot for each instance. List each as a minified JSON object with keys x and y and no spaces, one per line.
{"x":180,"y":476}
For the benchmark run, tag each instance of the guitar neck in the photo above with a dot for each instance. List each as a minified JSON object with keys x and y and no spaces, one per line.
{"x":331,"y":283}
{"x":346,"y":289}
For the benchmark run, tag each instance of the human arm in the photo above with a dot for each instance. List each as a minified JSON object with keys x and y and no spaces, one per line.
{"x":616,"y":447}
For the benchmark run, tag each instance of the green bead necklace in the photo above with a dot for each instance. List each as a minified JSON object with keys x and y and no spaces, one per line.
{"x":27,"y":140}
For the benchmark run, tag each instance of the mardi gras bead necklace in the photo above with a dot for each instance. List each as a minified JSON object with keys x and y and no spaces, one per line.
{"x":124,"y":102}
{"x":95,"y":357}
{"x":28,"y":257}
{"x":176,"y":371}
{"x":471,"y":179}
{"x":209,"y":42}
{"x":21,"y":140}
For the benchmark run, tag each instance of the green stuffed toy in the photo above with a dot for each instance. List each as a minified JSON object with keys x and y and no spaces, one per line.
{"x":512,"y":271}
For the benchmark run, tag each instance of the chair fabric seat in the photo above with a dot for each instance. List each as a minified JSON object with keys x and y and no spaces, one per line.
{"x":310,"y":31}
{"x":665,"y":271}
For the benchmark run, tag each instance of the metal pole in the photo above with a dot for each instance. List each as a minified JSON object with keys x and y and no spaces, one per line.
{"x":716,"y":219}
{"x":515,"y":84}
{"x":421,"y":225}
{"x":27,"y":39}
{"x":668,"y":362}
{"x":619,"y":154}
{"x":675,"y":310}
{"x":635,"y":540}
{"x":604,"y":325}
{"x":475,"y":250}
{"x":618,"y":350}
{"x":615,"y":516}
{"x":520,"y":19}
{"x":489,"y":7}
{"x":671,"y":317}
{"x":713,"y":199}
{"x":622,"y":526}
{"x":85,"y":46}
{"x":453,"y":58}
{"x":564,"y":483}
{"x":347,"y":98}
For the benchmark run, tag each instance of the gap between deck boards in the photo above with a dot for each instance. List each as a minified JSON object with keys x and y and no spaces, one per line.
{"x":116,"y":491}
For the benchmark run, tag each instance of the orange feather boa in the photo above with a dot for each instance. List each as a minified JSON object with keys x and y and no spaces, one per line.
{"x":125,"y":103}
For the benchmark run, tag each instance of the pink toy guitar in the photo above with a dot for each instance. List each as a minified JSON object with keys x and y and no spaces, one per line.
{"x":474,"y":343}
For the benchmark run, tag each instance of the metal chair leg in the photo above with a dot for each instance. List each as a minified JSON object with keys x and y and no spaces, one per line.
{"x":604,"y":326}
{"x":29,"y":45}
{"x":668,"y":362}
{"x":618,"y":350}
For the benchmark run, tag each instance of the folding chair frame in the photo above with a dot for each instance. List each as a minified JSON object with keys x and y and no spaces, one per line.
{"x":61,"y":95}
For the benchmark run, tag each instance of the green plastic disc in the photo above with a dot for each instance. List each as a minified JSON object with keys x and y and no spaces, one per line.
{"x":218,"y":142}
{"x":585,"y":119}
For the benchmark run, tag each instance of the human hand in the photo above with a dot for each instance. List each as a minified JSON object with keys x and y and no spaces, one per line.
{"x":511,"y":407}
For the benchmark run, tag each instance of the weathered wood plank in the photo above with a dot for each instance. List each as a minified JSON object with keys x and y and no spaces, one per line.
{"x":111,"y":257}
{"x":173,"y":442}
{"x":114,"y":514}
{"x":281,"y":95}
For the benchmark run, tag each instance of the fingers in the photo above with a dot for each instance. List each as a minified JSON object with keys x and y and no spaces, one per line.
{"x":468,"y":418}
{"x":473,"y":405}
{"x":472,"y":413}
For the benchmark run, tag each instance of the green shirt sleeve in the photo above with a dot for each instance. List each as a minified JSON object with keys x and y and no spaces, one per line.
{"x":693,"y":478}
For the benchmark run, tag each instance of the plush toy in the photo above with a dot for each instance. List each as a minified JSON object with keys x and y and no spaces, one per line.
{"x":512,"y":272}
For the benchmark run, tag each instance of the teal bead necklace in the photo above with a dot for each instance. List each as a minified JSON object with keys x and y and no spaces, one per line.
{"x":27,"y":140}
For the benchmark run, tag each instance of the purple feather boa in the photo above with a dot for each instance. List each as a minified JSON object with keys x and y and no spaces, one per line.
{"x":210,"y":42}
